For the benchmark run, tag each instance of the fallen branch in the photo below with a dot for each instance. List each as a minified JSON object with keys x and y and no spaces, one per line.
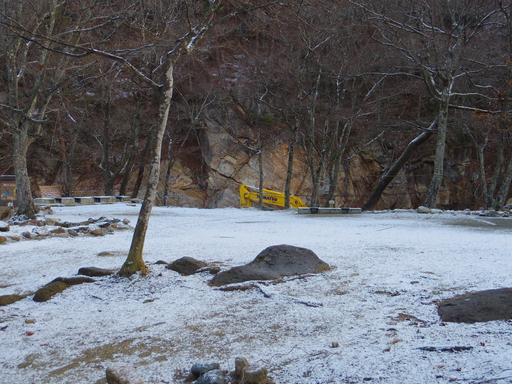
{"x":446,"y":349}
{"x":268,"y":295}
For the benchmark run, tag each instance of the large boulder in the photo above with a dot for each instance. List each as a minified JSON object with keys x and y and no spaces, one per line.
{"x":495,"y":304}
{"x":273,"y":263}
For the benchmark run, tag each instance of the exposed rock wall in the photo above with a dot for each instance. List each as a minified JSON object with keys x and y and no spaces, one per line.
{"x":231,"y":164}
{"x":231,"y":160}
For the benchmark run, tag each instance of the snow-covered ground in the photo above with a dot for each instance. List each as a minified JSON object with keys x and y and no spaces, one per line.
{"x":377,"y":304}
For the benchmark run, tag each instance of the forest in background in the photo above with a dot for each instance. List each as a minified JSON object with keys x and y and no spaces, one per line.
{"x":331,"y":80}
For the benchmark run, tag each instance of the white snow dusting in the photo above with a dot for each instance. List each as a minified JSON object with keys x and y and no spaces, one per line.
{"x":378,"y":303}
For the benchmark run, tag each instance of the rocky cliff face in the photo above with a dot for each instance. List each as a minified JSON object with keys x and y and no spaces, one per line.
{"x":230,"y":163}
{"x":210,"y":174}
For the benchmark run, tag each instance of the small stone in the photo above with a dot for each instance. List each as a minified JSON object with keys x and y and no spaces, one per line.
{"x":123,"y":374}
{"x":126,"y":221}
{"x":335,"y":344}
{"x":52,"y":221}
{"x":30,"y":321}
{"x":4,"y":227}
{"x":246,"y":374}
{"x":27,"y":235}
{"x":72,"y":232}
{"x":3,"y":239}
{"x":256,"y":376}
{"x":215,"y":376}
{"x":106,"y":253}
{"x":41,"y":232}
{"x":199,"y":368}
{"x":423,"y":209}
{"x":186,"y":265}
{"x":241,"y":364}
{"x":97,"y":231}
{"x":15,"y":238}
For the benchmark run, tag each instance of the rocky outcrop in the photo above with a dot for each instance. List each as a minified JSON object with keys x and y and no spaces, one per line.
{"x":273,"y":263}
{"x":230,"y":162}
{"x":224,"y":157}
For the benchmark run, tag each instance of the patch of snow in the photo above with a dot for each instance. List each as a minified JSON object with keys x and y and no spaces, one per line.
{"x":378,"y":303}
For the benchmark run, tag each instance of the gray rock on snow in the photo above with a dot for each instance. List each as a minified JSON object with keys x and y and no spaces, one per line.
{"x":273,"y":263}
{"x":202,"y":367}
{"x":215,"y":376}
{"x":482,"y":306}
{"x":186,"y":265}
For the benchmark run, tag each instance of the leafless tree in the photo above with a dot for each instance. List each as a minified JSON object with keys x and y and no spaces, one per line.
{"x":34,"y":76}
{"x":436,"y":38}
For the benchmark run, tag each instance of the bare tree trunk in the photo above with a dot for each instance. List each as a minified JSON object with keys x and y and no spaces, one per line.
{"x":142,"y":165}
{"x":168,"y":172}
{"x":135,"y":262}
{"x":260,"y":156}
{"x":394,"y":169}
{"x":333,"y":179}
{"x":23,"y":190}
{"x":133,"y":145}
{"x":289,"y":169}
{"x":483,"y":177}
{"x":437,"y":177}
{"x":500,"y":160}
{"x":505,"y":187}
{"x":108,"y":183}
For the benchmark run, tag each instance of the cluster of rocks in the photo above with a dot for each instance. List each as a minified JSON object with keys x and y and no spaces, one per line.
{"x":49,"y":227}
{"x":272,"y":263}
{"x":58,"y":285}
{"x":484,"y":212}
{"x":200,"y":373}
